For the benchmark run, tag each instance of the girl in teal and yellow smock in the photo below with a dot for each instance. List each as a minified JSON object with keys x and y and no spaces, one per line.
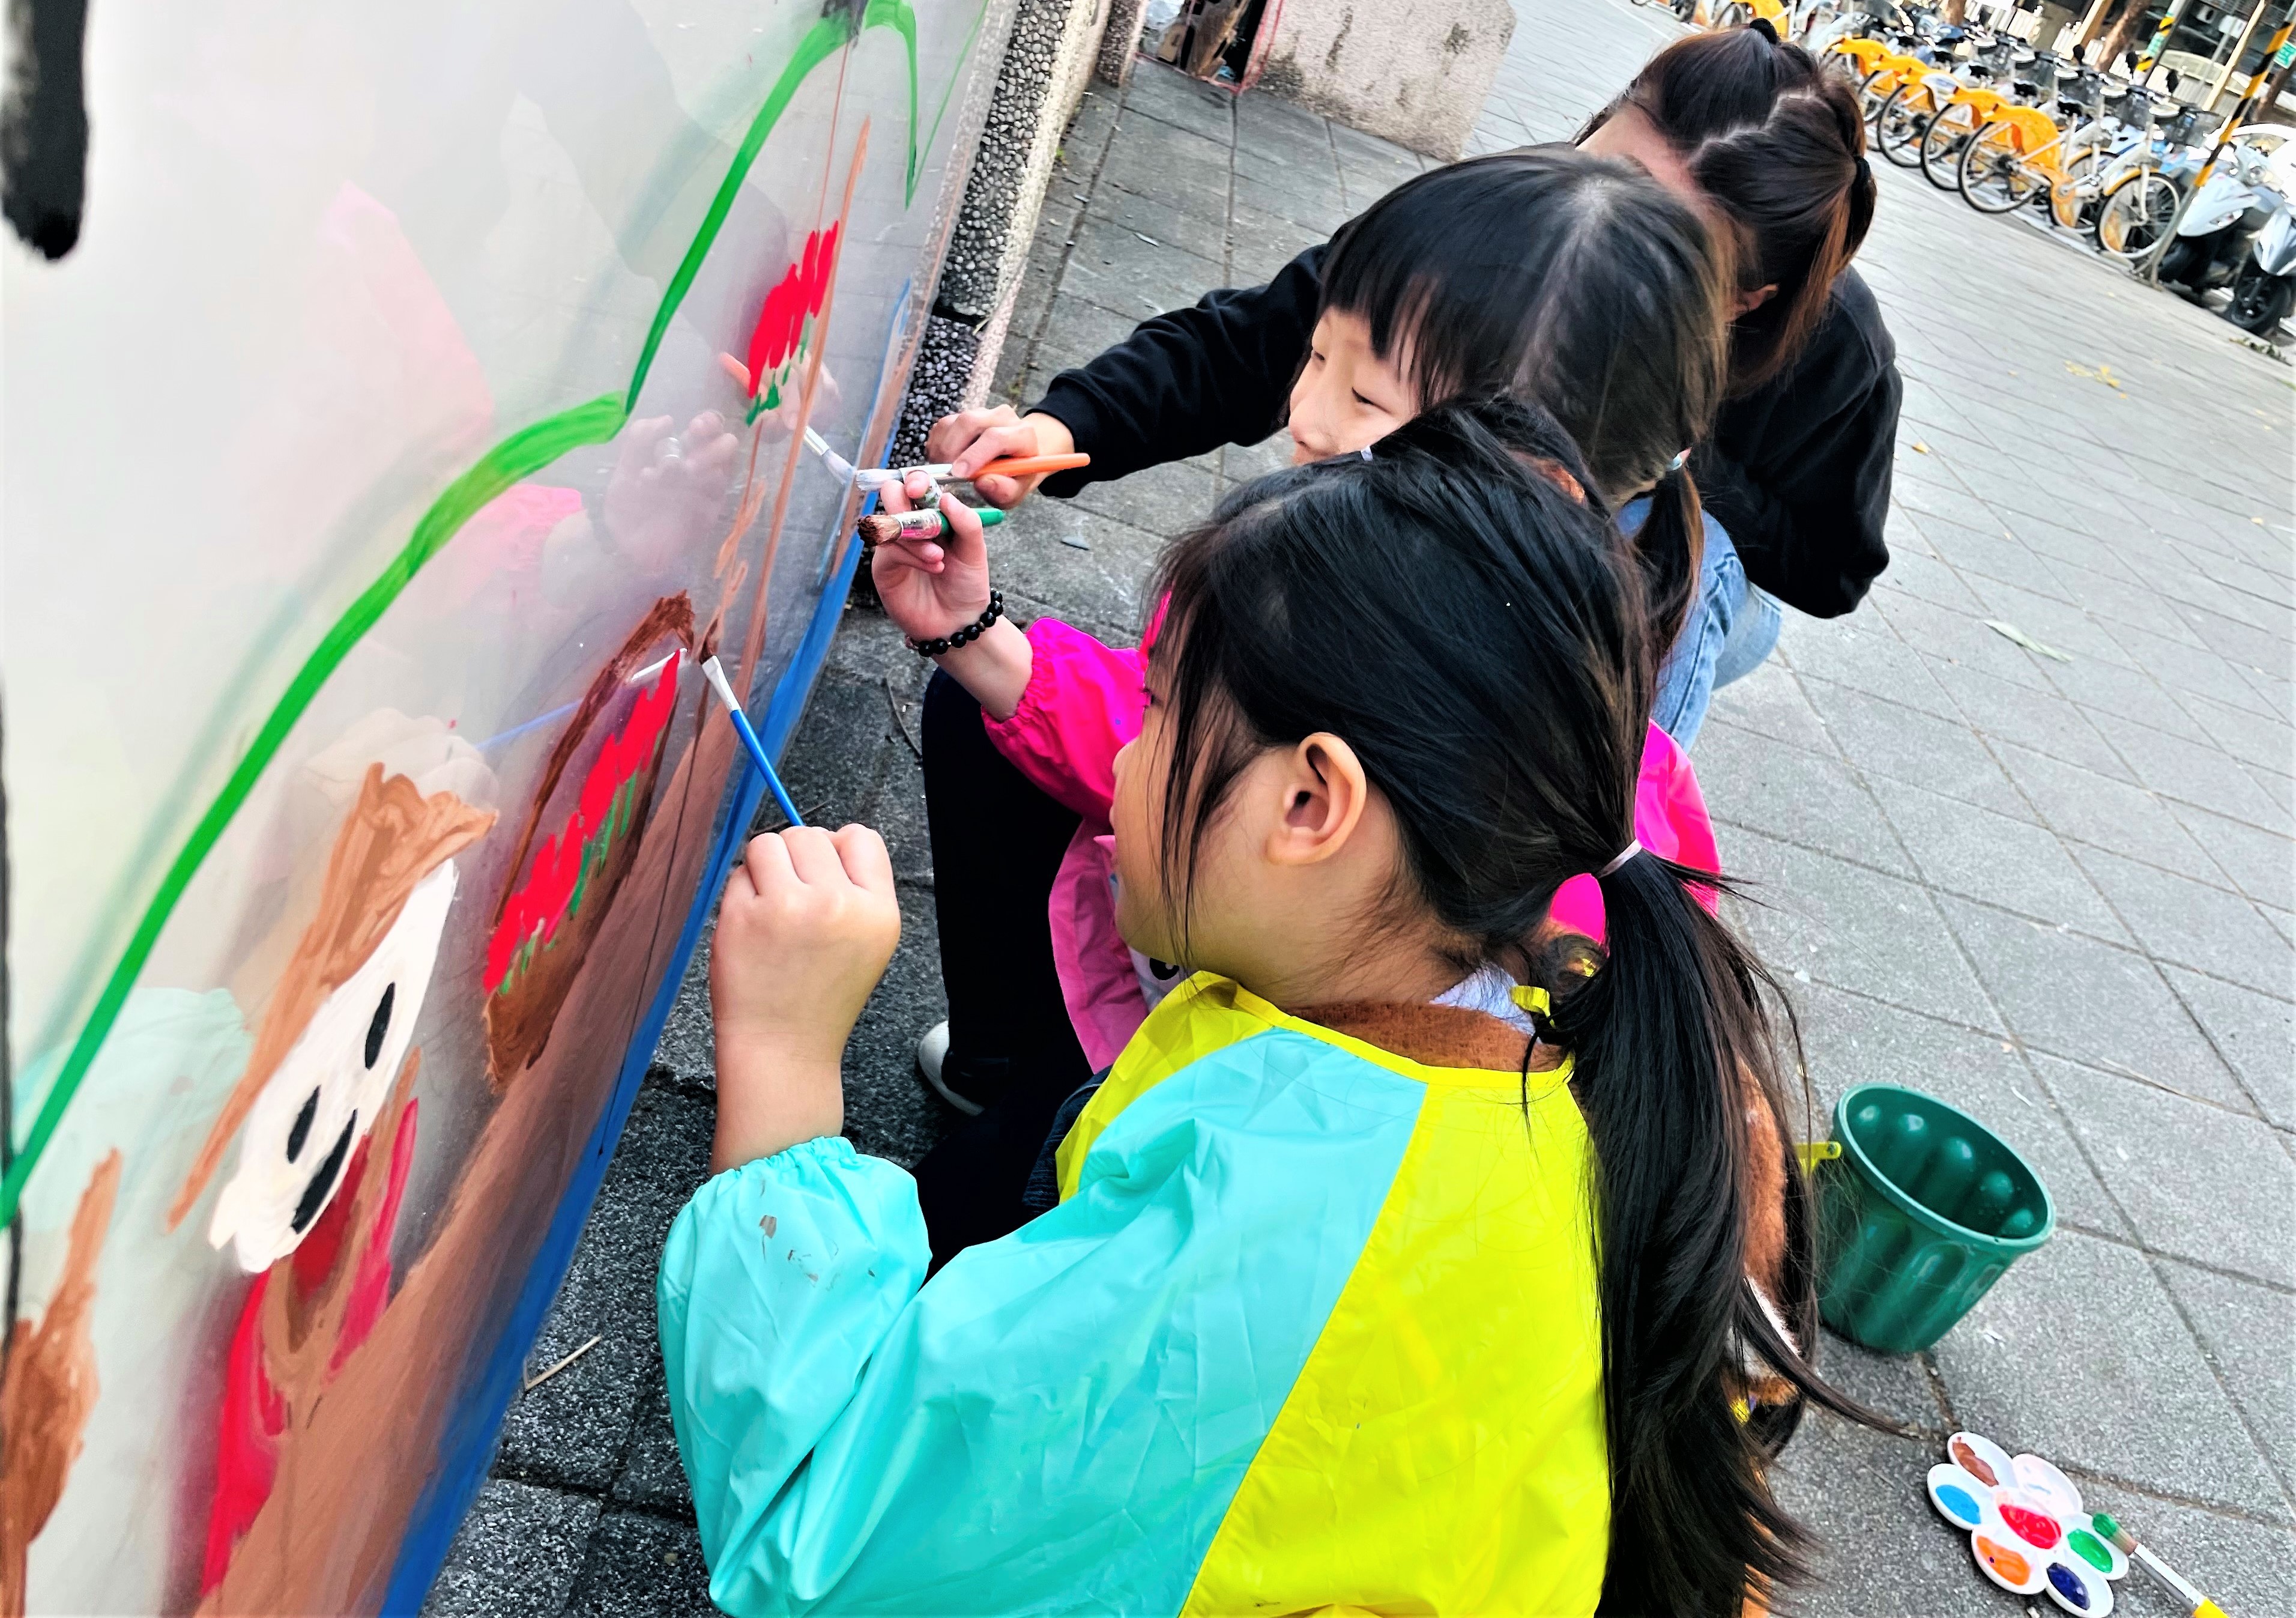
{"x":1399,"y":1263}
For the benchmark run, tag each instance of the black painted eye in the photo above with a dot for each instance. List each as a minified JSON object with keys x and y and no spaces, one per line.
{"x":382,"y":1024}
{"x":323,"y":1182}
{"x":301,"y":1132}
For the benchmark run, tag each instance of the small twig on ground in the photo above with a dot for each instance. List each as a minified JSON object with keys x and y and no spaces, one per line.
{"x":535,"y":1382}
{"x":893,"y":705}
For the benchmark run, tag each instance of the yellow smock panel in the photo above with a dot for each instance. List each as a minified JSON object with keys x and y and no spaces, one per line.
{"x":1444,"y":1450}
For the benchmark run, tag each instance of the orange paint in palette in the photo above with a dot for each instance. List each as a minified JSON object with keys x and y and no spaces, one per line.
{"x":2007,"y":1567}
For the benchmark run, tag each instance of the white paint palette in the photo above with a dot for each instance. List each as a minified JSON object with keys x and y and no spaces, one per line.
{"x":2028,"y":1532}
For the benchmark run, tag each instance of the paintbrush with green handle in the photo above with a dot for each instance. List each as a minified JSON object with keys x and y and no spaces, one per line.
{"x":2167,"y":1577}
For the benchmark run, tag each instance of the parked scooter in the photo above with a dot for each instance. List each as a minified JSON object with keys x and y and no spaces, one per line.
{"x":2264,"y":288}
{"x":2220,"y":242}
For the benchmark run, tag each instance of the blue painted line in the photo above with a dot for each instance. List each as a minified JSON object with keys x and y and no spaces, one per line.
{"x":467,"y":1447}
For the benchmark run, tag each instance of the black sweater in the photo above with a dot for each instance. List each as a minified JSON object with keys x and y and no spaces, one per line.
{"x":1797,"y":471}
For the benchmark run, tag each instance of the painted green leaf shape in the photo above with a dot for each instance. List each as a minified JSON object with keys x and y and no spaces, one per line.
{"x":522,"y":454}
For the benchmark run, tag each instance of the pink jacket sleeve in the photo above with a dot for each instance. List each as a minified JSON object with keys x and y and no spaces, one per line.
{"x":1084,"y":700}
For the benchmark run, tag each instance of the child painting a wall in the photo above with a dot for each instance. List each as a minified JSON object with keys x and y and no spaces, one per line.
{"x":1400,"y":1260}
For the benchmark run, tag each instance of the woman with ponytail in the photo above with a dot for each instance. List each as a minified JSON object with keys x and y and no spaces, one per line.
{"x":1401,"y":1262}
{"x":1797,"y":466}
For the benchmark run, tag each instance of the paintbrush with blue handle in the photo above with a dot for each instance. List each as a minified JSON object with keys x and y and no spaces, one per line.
{"x":716,"y":676}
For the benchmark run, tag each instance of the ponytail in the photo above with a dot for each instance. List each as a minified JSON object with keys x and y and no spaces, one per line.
{"x":1673,"y":1039}
{"x":1779,"y":144}
{"x":1670,"y":550}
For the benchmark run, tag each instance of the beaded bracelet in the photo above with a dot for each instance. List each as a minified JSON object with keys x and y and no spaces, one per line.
{"x":965,"y":636}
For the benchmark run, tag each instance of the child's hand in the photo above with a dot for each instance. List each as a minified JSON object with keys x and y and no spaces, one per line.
{"x":971,"y":438}
{"x":932,"y":587}
{"x":808,"y":921}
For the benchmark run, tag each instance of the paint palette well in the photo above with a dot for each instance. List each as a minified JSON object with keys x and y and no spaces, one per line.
{"x":2027,"y":1530}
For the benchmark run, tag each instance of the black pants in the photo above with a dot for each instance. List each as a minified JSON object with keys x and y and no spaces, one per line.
{"x":996,"y":846}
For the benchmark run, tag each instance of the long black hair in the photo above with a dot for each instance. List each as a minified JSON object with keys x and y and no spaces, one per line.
{"x":1478,"y":636}
{"x":1577,"y":280}
{"x":1779,"y":144}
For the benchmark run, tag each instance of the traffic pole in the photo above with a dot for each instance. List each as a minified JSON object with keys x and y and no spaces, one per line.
{"x":2151,"y":59}
{"x":2149,"y":271}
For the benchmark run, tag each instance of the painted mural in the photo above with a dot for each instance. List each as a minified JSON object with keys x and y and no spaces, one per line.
{"x":400,"y":403}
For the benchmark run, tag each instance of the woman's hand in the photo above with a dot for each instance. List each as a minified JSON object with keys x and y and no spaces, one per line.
{"x":971,"y":438}
{"x":932,"y":587}
{"x":809,"y":922}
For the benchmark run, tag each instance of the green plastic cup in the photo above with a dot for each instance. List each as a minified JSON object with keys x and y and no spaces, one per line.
{"x":1918,"y":1216}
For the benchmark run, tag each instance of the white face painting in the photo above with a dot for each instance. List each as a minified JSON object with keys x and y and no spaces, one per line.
{"x":315,"y":1109}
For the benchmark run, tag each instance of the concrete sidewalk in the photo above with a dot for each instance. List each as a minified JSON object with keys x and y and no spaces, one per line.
{"x":2056,"y":893}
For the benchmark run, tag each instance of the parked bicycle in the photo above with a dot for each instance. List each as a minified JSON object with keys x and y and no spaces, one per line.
{"x":1969,"y":106}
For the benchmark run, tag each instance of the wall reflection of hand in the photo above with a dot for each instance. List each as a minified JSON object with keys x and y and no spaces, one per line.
{"x":667,"y":491}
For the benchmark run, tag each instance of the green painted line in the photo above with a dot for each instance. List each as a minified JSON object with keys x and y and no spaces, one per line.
{"x":822,"y":41}
{"x":519,"y":456}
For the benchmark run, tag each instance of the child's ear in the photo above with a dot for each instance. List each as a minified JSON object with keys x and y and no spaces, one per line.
{"x":1324,"y":795}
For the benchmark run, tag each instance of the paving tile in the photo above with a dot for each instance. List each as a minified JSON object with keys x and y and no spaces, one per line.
{"x":2110,"y":814}
{"x":2255,"y":1033}
{"x":1076,"y":329}
{"x":1857,"y":929}
{"x":1313,"y":209}
{"x":1770,"y":703}
{"x":1960,"y":637}
{"x":653,"y":1477}
{"x":1160,"y":500}
{"x":1848,"y":1042}
{"x":890,"y":1112}
{"x":2197,"y":1180}
{"x":570,"y":1430}
{"x":2118,"y":696}
{"x":1888,"y":739}
{"x":2086,"y":1000}
{"x":2247,"y":1330}
{"x":1995,"y":553}
{"x":2077,"y":1353}
{"x":2052,"y":622}
{"x":2033,"y":717}
{"x":2257,"y":738}
{"x":2008,"y":862}
{"x":1924,"y":578}
{"x":2256,"y":861}
{"x":1124,"y":271}
{"x":1166,"y":94}
{"x":1802,"y":797}
{"x":517,"y":1554}
{"x":1101,"y":579}
{"x":2192,"y":924}
{"x":1861,"y":1492}
{"x":1868,"y":658}
{"x":1169,"y":226}
{"x":642,"y":1566}
{"x":2186,"y":766}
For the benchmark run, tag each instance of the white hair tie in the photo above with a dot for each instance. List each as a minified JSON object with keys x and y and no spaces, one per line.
{"x":1625,"y":854}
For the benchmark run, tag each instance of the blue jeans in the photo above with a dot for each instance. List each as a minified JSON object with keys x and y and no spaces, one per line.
{"x":1685,"y":680}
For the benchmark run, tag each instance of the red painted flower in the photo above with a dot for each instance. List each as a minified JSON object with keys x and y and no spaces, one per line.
{"x":789,"y":307}
{"x":601,"y":814}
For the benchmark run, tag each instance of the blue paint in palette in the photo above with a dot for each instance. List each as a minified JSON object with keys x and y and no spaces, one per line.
{"x":1956,"y":1504}
{"x":2069,"y":1586}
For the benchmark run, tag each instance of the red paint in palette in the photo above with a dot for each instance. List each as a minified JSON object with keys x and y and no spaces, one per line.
{"x":2034,"y":1527}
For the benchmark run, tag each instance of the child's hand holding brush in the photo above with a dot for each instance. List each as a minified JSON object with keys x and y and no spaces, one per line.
{"x":937,"y":590}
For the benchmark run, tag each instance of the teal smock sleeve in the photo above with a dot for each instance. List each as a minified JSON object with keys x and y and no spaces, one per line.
{"x":778,"y":1283}
{"x":1058,"y":1421}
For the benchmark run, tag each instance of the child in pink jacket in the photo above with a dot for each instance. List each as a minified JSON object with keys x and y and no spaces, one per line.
{"x":1554,"y":277}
